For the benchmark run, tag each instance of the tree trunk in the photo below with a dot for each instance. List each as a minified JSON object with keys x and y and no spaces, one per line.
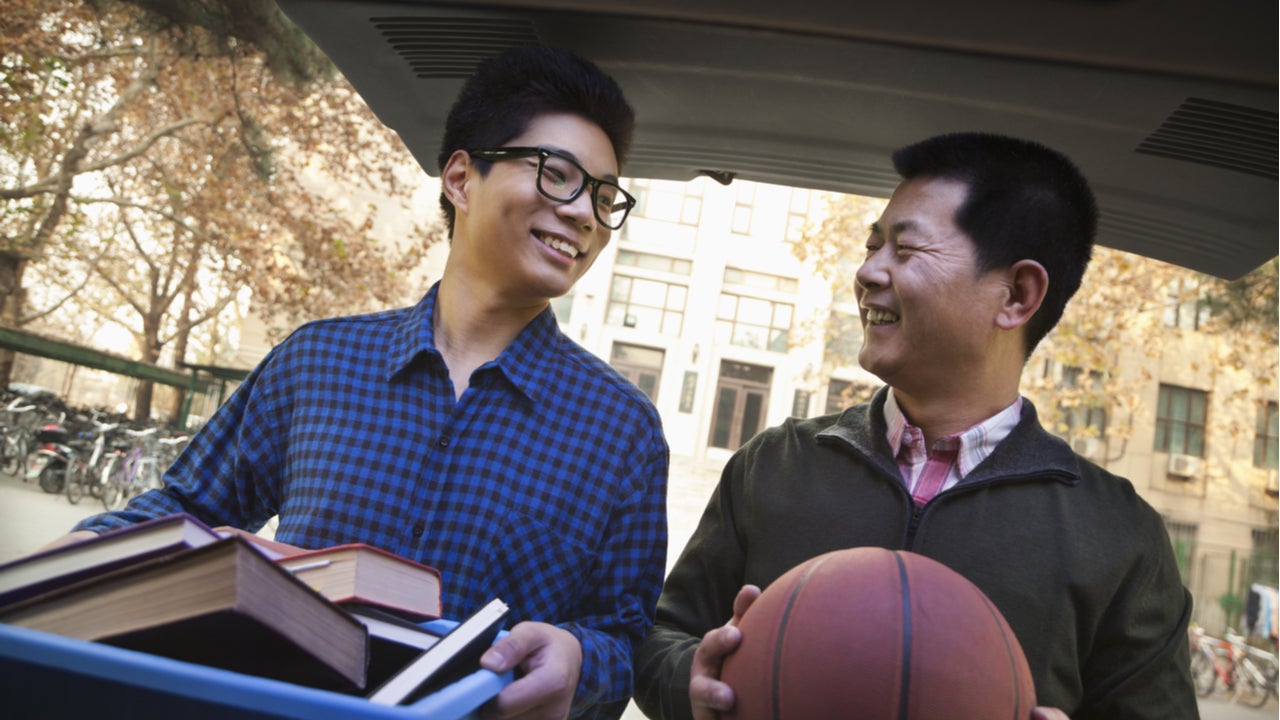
{"x":150,"y":354}
{"x":12,"y":300}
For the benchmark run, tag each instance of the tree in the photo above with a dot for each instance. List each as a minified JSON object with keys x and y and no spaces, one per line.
{"x":160,"y":166}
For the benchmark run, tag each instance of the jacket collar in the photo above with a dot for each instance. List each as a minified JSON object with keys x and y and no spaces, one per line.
{"x":1028,"y":451}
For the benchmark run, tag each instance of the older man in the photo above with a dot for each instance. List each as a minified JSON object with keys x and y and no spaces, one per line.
{"x":970,"y":265}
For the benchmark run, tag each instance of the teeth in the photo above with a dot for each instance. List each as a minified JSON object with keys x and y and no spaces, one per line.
{"x":881,"y":317}
{"x":558,"y":245}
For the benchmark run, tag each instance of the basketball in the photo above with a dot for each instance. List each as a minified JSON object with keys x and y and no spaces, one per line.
{"x":875,"y":634}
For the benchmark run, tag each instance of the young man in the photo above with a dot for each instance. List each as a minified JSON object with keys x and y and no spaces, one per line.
{"x":467,"y":432}
{"x":970,"y":265}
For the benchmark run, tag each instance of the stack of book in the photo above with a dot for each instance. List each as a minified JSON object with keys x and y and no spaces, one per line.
{"x":348,"y":619}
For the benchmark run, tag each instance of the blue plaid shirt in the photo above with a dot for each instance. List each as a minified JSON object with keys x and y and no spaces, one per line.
{"x":544,"y":485}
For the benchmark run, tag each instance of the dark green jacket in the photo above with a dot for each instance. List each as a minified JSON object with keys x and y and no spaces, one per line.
{"x":1079,"y":565}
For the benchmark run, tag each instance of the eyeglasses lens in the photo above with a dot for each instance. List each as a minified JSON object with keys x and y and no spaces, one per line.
{"x":561,"y":179}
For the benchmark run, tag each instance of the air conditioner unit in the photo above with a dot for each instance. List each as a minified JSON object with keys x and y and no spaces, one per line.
{"x":1273,"y":483}
{"x":1184,"y":467}
{"x":1089,"y":447}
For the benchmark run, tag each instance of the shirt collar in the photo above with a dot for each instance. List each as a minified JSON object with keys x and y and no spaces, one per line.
{"x":976,"y":443}
{"x":529,"y":362}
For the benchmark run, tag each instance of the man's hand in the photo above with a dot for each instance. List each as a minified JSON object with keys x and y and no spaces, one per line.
{"x":551,"y":659}
{"x":1048,"y":713}
{"x":71,"y":537}
{"x":707,"y":694}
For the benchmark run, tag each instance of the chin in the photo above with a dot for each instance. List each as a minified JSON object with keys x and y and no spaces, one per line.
{"x":878,"y":366}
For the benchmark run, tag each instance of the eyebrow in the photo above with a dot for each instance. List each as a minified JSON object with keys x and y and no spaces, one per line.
{"x":896,"y":229}
{"x":569,"y":154}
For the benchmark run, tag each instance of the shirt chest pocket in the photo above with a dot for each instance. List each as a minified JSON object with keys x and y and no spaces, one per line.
{"x":538,"y":568}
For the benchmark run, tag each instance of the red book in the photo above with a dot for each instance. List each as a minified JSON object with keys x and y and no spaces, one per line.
{"x":360,"y":573}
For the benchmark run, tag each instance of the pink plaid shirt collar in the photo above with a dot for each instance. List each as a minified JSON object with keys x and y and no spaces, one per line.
{"x":971,"y":447}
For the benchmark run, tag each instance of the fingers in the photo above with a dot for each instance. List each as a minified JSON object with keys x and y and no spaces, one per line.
{"x":507,"y":653}
{"x":707,"y":694}
{"x":1048,"y":713}
{"x":551,"y":659}
{"x":70,"y":538}
{"x":745,"y":598}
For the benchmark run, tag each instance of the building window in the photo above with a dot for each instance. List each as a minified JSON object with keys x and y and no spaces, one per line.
{"x":761,"y":281}
{"x":800,"y":403}
{"x":1181,"y":416}
{"x":1183,"y":537}
{"x":1186,"y":306}
{"x":1263,"y":565}
{"x":668,"y":201}
{"x":753,"y":322}
{"x":650,"y":305}
{"x":843,"y":394}
{"x":1084,"y":414}
{"x":798,"y":213}
{"x":649,"y":261}
{"x":1264,"y":443}
{"x":641,"y":365}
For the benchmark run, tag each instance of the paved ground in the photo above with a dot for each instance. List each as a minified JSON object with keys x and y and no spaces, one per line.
{"x":29,"y":518}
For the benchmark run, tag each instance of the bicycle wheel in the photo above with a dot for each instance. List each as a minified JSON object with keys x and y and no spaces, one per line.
{"x":1203,"y":674}
{"x":52,"y":477}
{"x":22,"y":448}
{"x":113,"y":481}
{"x":11,"y":460}
{"x":1251,"y":683}
{"x":75,"y":482}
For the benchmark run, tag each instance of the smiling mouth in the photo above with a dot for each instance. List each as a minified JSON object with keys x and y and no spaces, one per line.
{"x":558,"y":245}
{"x":881,"y":317}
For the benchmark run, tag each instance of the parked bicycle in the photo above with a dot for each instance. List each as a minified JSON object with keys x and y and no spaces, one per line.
{"x":1255,"y":673}
{"x":137,"y":467}
{"x":1230,"y":664}
{"x":19,"y":417}
{"x":84,"y":468}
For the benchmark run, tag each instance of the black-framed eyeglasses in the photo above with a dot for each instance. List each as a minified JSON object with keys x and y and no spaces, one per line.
{"x":562,"y":179}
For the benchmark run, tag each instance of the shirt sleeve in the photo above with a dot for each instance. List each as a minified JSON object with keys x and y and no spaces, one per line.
{"x":632,"y":563}
{"x":696,"y":598}
{"x":224,"y":476}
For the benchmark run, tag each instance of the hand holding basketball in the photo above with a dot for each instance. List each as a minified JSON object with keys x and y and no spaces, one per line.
{"x":707,"y":694}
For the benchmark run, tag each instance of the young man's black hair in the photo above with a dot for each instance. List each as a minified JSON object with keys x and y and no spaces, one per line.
{"x":509,"y":89}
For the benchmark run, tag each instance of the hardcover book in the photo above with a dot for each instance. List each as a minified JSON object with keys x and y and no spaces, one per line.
{"x":455,"y":656}
{"x":224,"y":605}
{"x":394,"y":641}
{"x":359,"y":573}
{"x":39,"y":573}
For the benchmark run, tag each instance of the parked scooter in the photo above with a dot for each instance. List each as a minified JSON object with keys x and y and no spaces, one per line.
{"x":48,"y":462}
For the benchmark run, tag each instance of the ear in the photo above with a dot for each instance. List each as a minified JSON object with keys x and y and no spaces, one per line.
{"x":1028,"y":282}
{"x":454,"y":178}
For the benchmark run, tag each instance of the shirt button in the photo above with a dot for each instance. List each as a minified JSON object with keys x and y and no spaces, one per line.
{"x":418,"y":529}
{"x":443,"y":441}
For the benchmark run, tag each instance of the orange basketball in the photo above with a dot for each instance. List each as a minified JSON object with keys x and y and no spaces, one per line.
{"x":875,"y":634}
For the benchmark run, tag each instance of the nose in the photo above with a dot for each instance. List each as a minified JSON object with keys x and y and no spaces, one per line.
{"x":580,"y":210}
{"x":872,"y":274}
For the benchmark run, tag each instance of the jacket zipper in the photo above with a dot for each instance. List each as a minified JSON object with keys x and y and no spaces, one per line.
{"x":918,"y":511}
